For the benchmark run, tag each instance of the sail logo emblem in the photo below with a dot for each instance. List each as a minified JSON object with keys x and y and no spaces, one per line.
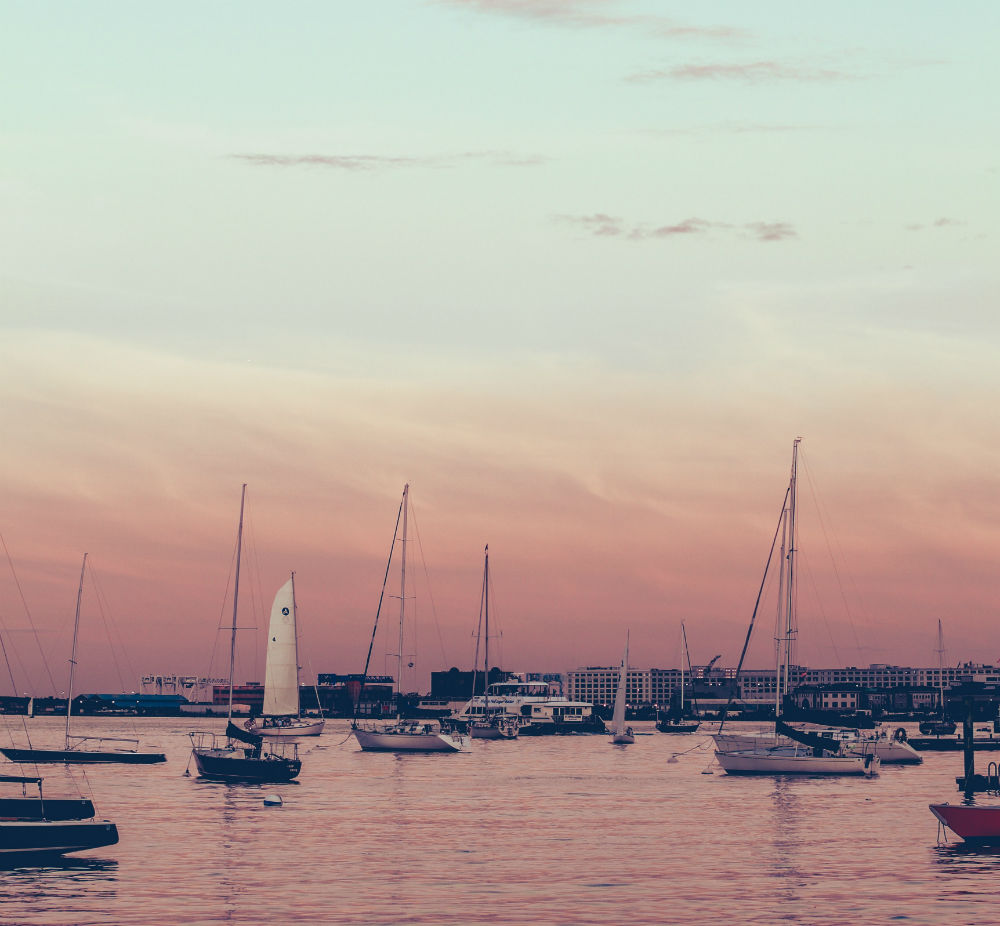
{"x":284,"y":611}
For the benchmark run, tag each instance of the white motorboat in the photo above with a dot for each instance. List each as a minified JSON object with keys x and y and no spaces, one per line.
{"x":533,"y":706}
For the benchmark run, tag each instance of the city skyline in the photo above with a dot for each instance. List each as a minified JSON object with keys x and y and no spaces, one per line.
{"x":578,"y":271}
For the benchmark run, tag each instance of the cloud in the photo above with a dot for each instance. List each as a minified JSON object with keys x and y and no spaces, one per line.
{"x":368,"y":162}
{"x":598,"y":224}
{"x":734,"y":128}
{"x":752,"y":72}
{"x":592,"y":14}
{"x":771,"y":231}
{"x":942,"y":222}
{"x":601,"y":225}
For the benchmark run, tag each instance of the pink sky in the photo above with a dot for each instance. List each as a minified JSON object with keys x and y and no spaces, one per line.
{"x":605,"y":507}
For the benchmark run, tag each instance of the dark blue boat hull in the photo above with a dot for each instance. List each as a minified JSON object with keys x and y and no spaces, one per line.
{"x":21,"y":840}
{"x":82,"y":757}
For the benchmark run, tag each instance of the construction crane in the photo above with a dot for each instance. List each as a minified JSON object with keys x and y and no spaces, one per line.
{"x":708,"y":668}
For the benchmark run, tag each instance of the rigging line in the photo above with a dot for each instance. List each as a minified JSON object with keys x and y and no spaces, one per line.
{"x":111,"y":630}
{"x":10,"y":672}
{"x":27,"y":611}
{"x":498,"y":636}
{"x":833,"y":561}
{"x":479,"y":632}
{"x":381,"y":598}
{"x":308,"y":659}
{"x":753,"y":617}
{"x":254,"y":597}
{"x":222,"y":611}
{"x":427,"y":579}
{"x":804,"y":565}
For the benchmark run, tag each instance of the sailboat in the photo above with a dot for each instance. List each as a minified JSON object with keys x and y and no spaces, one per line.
{"x":677,"y":724}
{"x":401,"y":735}
{"x":494,"y":724}
{"x":620,"y":734}
{"x":125,"y":750}
{"x":788,"y":751}
{"x":241,"y":755}
{"x":281,"y":715}
{"x":33,"y":828}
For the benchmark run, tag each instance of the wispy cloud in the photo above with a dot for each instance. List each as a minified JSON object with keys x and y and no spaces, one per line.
{"x":368,"y":162}
{"x":943,"y":222}
{"x":601,"y":225}
{"x":733,"y":128}
{"x":751,"y":72}
{"x":593,"y":14}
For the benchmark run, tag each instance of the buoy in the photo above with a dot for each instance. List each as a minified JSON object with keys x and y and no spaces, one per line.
{"x":272,"y":800}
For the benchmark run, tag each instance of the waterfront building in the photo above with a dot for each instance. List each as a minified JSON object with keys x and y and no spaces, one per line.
{"x":196,"y":689}
{"x":880,"y":685}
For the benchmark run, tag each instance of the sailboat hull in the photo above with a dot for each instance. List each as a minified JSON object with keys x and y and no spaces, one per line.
{"x":235,"y":765}
{"x":623,"y":739}
{"x":500,"y":730}
{"x":295,"y":728}
{"x":781,"y":763}
{"x":24,"y":839}
{"x":390,"y":740}
{"x":82,"y":756}
{"x":667,"y":726}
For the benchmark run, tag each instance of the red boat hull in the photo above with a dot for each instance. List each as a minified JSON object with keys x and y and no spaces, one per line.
{"x":973,"y":824}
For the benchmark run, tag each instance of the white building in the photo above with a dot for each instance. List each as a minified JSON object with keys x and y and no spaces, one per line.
{"x":597,"y":684}
{"x":198,"y":690}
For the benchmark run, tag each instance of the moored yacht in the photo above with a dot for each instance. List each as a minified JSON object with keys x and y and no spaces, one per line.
{"x":532,"y":705}
{"x":401,"y":735}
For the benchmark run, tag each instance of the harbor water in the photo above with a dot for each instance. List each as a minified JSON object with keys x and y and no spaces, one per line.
{"x":561,"y":830}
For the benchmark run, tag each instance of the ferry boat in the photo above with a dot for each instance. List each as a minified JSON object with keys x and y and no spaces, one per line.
{"x":535,"y":709}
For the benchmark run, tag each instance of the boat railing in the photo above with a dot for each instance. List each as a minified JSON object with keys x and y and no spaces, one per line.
{"x":74,"y":742}
{"x":206,"y":740}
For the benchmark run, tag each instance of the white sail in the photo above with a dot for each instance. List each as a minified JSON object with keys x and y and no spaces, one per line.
{"x":281,"y":678}
{"x":618,"y":718}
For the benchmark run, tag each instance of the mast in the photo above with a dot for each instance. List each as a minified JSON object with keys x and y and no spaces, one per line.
{"x":402,"y":604}
{"x":295,"y":622}
{"x":941,"y":668}
{"x":684,"y":637}
{"x":236,"y":599}
{"x":72,"y":658}
{"x":486,"y":651}
{"x":781,"y":640}
{"x":790,"y":627}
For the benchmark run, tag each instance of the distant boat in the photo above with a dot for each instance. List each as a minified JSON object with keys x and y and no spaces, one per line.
{"x":536,"y":710}
{"x":669,"y":723}
{"x":941,"y":726}
{"x":240,"y":755}
{"x":401,"y":735}
{"x":789,"y":751}
{"x":620,"y":734}
{"x":493,"y":724}
{"x":75,"y":751}
{"x":282,"y":715}
{"x":34,"y":829}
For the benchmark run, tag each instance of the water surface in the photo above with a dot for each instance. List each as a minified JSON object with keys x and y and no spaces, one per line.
{"x":563,"y":830}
